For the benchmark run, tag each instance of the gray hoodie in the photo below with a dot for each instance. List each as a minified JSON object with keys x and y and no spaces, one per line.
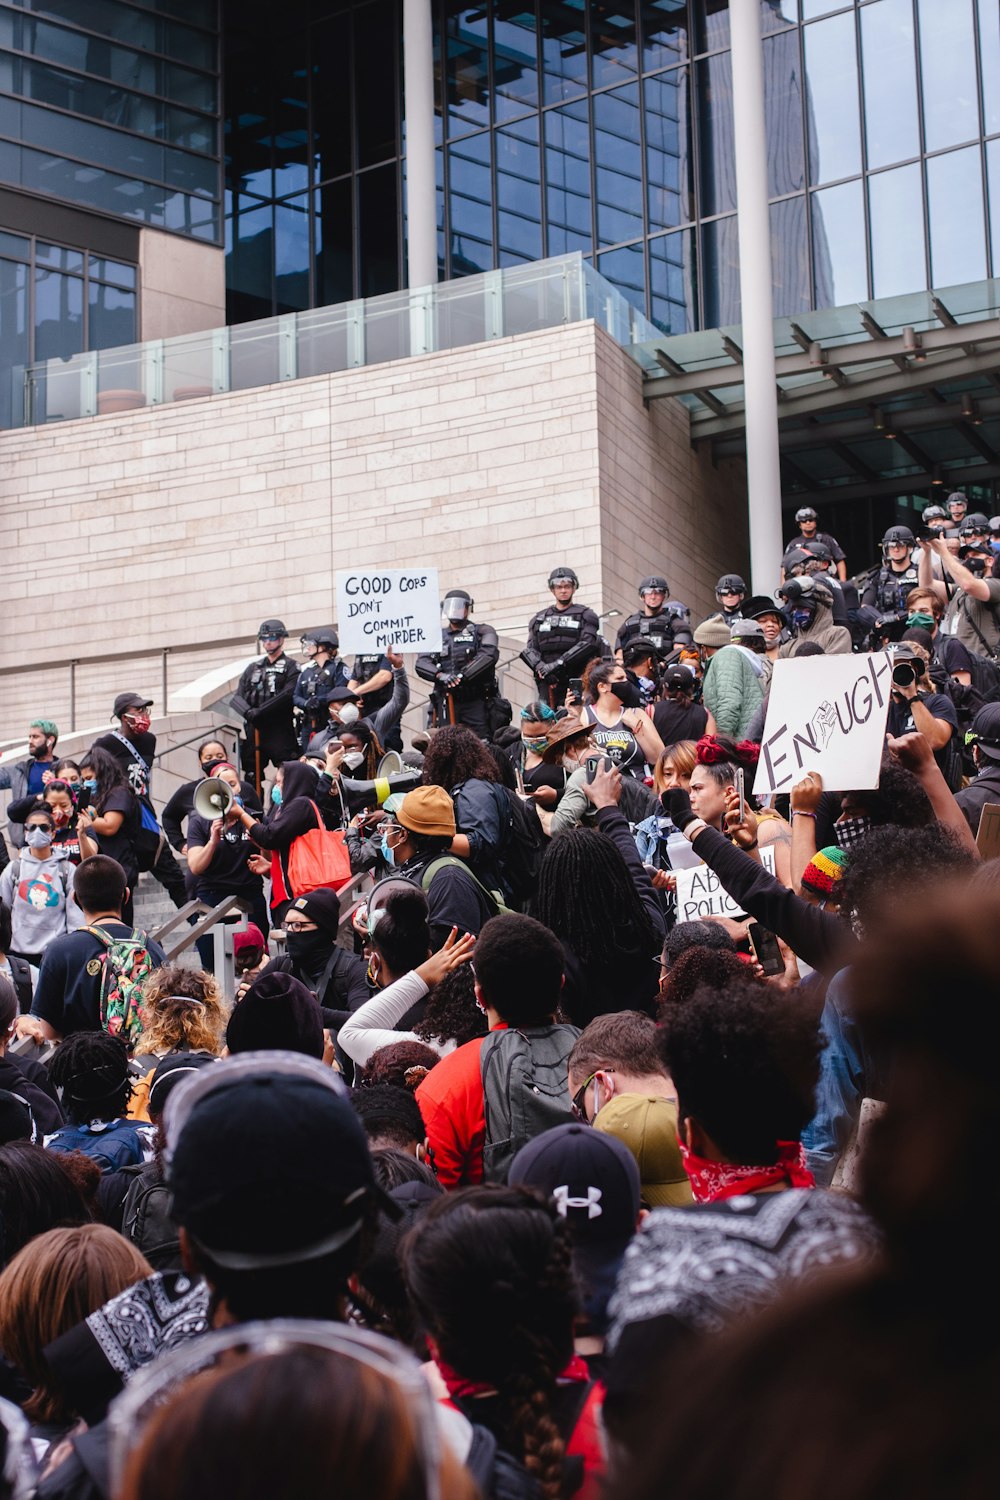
{"x":37,"y":892}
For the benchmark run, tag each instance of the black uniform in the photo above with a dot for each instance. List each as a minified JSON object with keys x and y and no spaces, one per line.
{"x":471,"y":653}
{"x":657,"y":629}
{"x":560,"y":644}
{"x":830,"y":542}
{"x":313,"y":689}
{"x":363,"y":671}
{"x":888,"y":589}
{"x":265,"y":698}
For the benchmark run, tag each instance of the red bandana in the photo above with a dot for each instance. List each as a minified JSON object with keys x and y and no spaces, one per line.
{"x":711,"y":1181}
{"x":459,"y":1388}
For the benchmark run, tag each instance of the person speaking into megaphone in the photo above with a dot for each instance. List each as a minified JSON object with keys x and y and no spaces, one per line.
{"x":219,"y":848}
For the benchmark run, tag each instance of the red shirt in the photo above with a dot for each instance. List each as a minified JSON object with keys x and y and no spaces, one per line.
{"x":451,"y":1103}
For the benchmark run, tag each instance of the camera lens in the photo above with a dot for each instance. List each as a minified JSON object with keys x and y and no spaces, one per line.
{"x":904,"y":674}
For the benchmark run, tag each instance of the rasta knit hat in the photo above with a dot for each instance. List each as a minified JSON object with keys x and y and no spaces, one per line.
{"x":428,"y":810}
{"x":824,"y":872}
{"x":712,"y":632}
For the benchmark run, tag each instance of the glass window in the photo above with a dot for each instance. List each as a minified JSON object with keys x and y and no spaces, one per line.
{"x":144,"y":32}
{"x":711,"y":25}
{"x":249,"y":268}
{"x":783,"y":110}
{"x":13,"y":334}
{"x":567,"y":173}
{"x":715,"y":135}
{"x":993,"y":178}
{"x":668,"y":149}
{"x":948,"y":72}
{"x":378,"y":230}
{"x":789,"y":258}
{"x":832,"y":99}
{"x":720,"y":270}
{"x":111,"y":317}
{"x":471,"y":205}
{"x":618,"y":162}
{"x":564,"y":49}
{"x":289,"y":122}
{"x":331,"y":98}
{"x":890,"y":82}
{"x":58,"y":315}
{"x":467,"y":68}
{"x":291,"y":254}
{"x":515,"y":62}
{"x":375,"y":72}
{"x":625,"y":269}
{"x":989,"y":54}
{"x":840,"y":272}
{"x":519,"y":194}
{"x":664,"y":33}
{"x":334,"y":229}
{"x":777,"y":14}
{"x":897,"y":231}
{"x":811,"y":8}
{"x":14,"y":246}
{"x":59,"y":258}
{"x":955,"y":213}
{"x":673,"y":282}
{"x":113,"y":271}
{"x":613,"y":41}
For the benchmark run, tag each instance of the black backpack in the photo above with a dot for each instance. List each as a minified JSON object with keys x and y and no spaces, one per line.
{"x":525,"y":1090}
{"x":522,"y":854}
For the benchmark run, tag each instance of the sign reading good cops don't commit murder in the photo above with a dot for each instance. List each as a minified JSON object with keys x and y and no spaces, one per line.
{"x":379,"y":609}
{"x":825,"y":714}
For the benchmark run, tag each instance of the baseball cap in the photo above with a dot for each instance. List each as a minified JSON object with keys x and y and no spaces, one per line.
{"x":342,"y":695}
{"x":746,"y":630}
{"x":679,"y":679}
{"x":169,"y":1072}
{"x":250,"y":937}
{"x":648,"y":1127}
{"x":986,"y":731}
{"x":428,"y":810}
{"x":125,"y":701}
{"x":268,"y":1163}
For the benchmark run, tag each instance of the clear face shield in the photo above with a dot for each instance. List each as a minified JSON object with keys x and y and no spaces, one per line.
{"x":454,"y":610}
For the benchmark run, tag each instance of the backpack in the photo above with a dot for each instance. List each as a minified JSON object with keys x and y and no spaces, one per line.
{"x":147,"y":1218}
{"x":522,"y":853}
{"x":494,"y":898}
{"x":124,"y":964}
{"x":497,"y":1473}
{"x":525,"y":1090}
{"x":119,"y":1144}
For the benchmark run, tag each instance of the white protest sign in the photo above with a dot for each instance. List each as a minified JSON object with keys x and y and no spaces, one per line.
{"x":825,"y":714}
{"x":699,"y":894}
{"x":388,"y":608}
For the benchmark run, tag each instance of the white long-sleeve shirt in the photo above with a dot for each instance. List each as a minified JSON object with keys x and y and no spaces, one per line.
{"x":371,"y":1025}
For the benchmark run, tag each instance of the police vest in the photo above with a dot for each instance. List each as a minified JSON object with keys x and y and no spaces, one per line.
{"x":267,"y":680}
{"x":893,"y":589}
{"x":656,"y":629}
{"x":457,"y":650}
{"x":554,"y":631}
{"x":364,"y":670}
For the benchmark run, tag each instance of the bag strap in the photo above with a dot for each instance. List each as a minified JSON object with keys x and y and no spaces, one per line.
{"x":990,"y":651}
{"x":135,"y":754}
{"x":449,"y":859}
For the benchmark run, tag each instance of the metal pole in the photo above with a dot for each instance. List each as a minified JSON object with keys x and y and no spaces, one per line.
{"x":421,"y":194}
{"x":760,"y":388}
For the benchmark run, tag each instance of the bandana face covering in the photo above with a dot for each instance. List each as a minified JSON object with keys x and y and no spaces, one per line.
{"x":850,"y":831}
{"x":711,"y":1181}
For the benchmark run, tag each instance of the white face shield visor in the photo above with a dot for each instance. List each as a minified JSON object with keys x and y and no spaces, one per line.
{"x":454,"y":608}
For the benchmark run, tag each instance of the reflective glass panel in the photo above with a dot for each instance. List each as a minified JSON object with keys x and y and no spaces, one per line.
{"x":111,"y":316}
{"x":290,"y":119}
{"x":673,"y":282}
{"x":59,"y":258}
{"x":375,"y":68}
{"x":993,"y":178}
{"x":249,"y":266}
{"x":58,"y":315}
{"x":331,"y":97}
{"x":618,"y":162}
{"x":567,"y":172}
{"x":668,"y":149}
{"x":811,"y":8}
{"x":955,"y":212}
{"x":711,"y":25}
{"x":840,"y":271}
{"x":519,"y":193}
{"x":13,"y":335}
{"x":720,"y":271}
{"x":832,"y":99}
{"x":112,"y":270}
{"x":470,"y":205}
{"x":626,"y":269}
{"x":467,"y":69}
{"x":783,"y":111}
{"x":14,"y":246}
{"x":789,"y":257}
{"x":895,"y":208}
{"x":613,"y":41}
{"x":564,"y":49}
{"x":989,"y":53}
{"x":334,"y":228}
{"x":948,"y":71}
{"x":664,"y":29}
{"x":378,"y":217}
{"x":889,"y":81}
{"x":291,"y":254}
{"x":715,"y":135}
{"x":515,"y":62}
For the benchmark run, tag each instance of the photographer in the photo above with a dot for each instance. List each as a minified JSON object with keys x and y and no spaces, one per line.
{"x":972,"y":609}
{"x":810,"y":611}
{"x":915,"y":706}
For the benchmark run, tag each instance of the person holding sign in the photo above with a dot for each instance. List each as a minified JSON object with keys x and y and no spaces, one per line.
{"x":463,"y":672}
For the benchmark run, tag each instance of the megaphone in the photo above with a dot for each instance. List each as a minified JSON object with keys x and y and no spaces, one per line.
{"x":362,"y":794}
{"x":213,"y":799}
{"x":391,"y":764}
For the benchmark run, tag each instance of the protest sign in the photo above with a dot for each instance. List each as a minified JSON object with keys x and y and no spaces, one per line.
{"x":988,"y":835}
{"x":700,"y":895}
{"x":825,"y":714}
{"x":380,"y":608}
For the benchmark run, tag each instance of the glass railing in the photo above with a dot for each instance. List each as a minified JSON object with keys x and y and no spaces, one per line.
{"x":493,"y":305}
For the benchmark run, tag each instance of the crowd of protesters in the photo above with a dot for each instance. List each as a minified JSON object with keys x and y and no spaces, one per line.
{"x":496,"y":1177}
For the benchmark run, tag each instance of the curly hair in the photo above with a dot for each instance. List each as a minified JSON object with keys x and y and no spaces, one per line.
{"x":183,"y":1011}
{"x":90,"y":1069}
{"x":403,"y":1063}
{"x":455,"y":754}
{"x":701,"y":966}
{"x":719,"y":749}
{"x":452,"y":1013}
{"x":745,"y":1060}
{"x":899,"y":798}
{"x":889,"y":863}
{"x":490,"y":1272}
{"x":390,"y":1115}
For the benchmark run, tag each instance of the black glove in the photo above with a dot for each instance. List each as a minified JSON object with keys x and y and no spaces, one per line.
{"x":677,"y":805}
{"x":442,"y":679}
{"x":544,"y":670}
{"x":313,"y":705}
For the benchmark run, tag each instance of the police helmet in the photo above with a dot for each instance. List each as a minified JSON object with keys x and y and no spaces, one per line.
{"x":730,"y":583}
{"x":806,"y":513}
{"x":653,"y":585}
{"x":901,"y":535}
{"x":995,"y":524}
{"x":933,"y":513}
{"x":563,"y":575}
{"x":327,"y":637}
{"x":460,"y":607}
{"x":795,"y":558}
{"x":976,"y":524}
{"x":820,"y":551}
{"x":956,"y":498}
{"x":271,"y":627}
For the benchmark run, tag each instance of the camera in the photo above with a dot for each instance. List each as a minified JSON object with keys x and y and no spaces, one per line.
{"x":904,"y":674}
{"x":792,"y":590}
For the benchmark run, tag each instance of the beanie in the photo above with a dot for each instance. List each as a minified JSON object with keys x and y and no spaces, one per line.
{"x":824,"y":872}
{"x":278,"y":1013}
{"x":321,"y":906}
{"x":428,"y":810}
{"x":712,"y":632}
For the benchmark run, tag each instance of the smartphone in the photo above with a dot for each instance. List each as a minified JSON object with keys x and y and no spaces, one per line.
{"x":594,"y":762}
{"x":764,"y":946}
{"x":740,"y":792}
{"x":576,"y":689}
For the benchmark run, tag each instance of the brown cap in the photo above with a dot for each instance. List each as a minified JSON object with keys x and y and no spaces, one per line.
{"x":428,"y":810}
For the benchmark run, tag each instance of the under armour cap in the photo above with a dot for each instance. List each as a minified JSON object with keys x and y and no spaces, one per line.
{"x":592,"y":1179}
{"x":428,"y":810}
{"x":648,"y":1127}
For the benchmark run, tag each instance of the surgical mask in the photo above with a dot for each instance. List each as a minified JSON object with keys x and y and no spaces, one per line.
{"x":349,"y":714}
{"x":802,"y":618}
{"x":38,"y":838}
{"x":353,"y":759}
{"x":387,"y":852}
{"x":90,"y":785}
{"x":535,"y":746}
{"x":627,"y":694}
{"x":309,"y":948}
{"x":925,"y":622}
{"x":276,"y":796}
{"x":850,"y":831}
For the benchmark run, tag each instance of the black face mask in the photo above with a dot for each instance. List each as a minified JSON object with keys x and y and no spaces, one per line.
{"x":627,"y":694}
{"x":311,"y":950}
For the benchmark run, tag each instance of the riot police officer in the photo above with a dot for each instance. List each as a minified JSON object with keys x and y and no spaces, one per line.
{"x":935,"y":517}
{"x":562,"y":638}
{"x":265,"y":699}
{"x":464,"y":670}
{"x":730,"y":591}
{"x":887,"y":589}
{"x":657,"y":622}
{"x":317,"y":682}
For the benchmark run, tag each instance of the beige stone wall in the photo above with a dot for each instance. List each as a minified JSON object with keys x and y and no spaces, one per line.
{"x":182,"y":285}
{"x":183,"y":525}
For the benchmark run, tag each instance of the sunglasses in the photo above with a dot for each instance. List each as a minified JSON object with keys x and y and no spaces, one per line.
{"x":576,"y":1104}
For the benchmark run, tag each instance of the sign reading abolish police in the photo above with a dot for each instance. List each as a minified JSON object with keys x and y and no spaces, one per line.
{"x":700,"y":895}
{"x":825,"y":714}
{"x":379,"y":609}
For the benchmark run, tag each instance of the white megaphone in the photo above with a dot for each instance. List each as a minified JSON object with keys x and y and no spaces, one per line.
{"x":213,"y":799}
{"x":391,"y":764}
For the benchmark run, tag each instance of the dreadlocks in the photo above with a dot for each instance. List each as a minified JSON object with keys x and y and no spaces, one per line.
{"x":90,"y":1070}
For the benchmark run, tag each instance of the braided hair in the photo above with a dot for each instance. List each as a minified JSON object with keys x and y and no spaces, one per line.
{"x":587,"y":897}
{"x":490,"y":1274}
{"x":90,"y":1071}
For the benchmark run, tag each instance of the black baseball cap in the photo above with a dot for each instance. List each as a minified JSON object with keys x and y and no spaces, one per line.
{"x":678,"y":679}
{"x":986,"y":731}
{"x":125,"y":701}
{"x":268,"y":1163}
